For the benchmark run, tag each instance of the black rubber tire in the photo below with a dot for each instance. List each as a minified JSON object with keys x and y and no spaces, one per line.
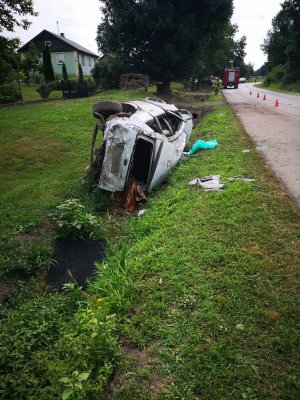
{"x":107,"y":108}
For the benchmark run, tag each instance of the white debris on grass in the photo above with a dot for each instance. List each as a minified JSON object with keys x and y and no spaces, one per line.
{"x":208,"y":182}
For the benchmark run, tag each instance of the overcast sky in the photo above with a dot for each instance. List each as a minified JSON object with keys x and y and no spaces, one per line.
{"x":78,"y":20}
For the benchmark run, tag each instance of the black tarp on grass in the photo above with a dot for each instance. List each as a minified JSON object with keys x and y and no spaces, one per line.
{"x":74,"y":260}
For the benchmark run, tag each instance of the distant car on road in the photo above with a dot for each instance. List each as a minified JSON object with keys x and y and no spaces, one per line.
{"x":242,"y":80}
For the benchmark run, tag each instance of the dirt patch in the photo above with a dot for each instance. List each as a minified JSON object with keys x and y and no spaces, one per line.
{"x":274,"y":315}
{"x":5,"y":292}
{"x":196,"y":103}
{"x":142,"y":366}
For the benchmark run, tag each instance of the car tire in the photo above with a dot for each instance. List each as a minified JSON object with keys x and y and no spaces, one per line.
{"x":107,"y":108}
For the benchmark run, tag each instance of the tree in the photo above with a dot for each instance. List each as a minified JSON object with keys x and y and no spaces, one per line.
{"x":282,"y":44}
{"x":64,"y":72}
{"x":31,"y":61}
{"x":161,"y":38}
{"x":48,"y":68}
{"x":249,"y":70}
{"x":292,"y":9}
{"x":219,"y":51}
{"x":239,"y":54}
{"x":80,"y":78}
{"x":262,"y":70}
{"x":10,"y":9}
{"x":9,"y":58}
{"x":276,"y":41}
{"x":106,"y":72}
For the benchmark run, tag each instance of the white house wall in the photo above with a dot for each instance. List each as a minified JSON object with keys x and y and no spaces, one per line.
{"x":71,"y":61}
{"x":87,"y":63}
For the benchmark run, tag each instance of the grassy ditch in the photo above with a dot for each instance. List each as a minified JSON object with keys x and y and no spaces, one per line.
{"x":213,"y":303}
{"x":196,"y":299}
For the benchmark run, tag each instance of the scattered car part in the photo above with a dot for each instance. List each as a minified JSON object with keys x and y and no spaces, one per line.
{"x":208,"y":182}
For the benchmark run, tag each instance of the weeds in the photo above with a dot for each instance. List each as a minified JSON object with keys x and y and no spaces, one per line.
{"x":74,"y":385}
{"x":75,"y":222}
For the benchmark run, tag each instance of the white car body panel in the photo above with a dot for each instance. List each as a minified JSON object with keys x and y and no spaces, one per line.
{"x":134,"y":147}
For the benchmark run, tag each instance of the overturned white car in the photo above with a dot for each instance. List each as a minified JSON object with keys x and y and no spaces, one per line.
{"x":142,"y":139}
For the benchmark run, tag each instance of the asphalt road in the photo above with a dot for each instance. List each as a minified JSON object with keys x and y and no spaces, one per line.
{"x":274,"y":130}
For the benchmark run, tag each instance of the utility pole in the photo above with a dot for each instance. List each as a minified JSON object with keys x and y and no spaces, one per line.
{"x":57,"y":27}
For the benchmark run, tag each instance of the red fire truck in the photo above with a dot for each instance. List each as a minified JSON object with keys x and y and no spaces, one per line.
{"x":231,"y":78}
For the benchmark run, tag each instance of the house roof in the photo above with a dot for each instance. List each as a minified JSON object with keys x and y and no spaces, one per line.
{"x":69,"y":42}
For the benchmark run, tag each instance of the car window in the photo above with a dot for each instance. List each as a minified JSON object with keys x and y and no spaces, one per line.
{"x":167,"y":124}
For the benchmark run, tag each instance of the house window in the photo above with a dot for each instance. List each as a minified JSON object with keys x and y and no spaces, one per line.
{"x":90,"y":61}
{"x":82,"y":60}
{"x":60,"y":58}
{"x":48,"y":43}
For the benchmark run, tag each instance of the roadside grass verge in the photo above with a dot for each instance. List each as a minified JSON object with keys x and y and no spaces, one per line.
{"x":213,"y":304}
{"x":196,"y":299}
{"x":292,"y":88}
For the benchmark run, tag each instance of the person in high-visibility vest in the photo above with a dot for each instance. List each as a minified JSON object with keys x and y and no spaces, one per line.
{"x":216,"y":85}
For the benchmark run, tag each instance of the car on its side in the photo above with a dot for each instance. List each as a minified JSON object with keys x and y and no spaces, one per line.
{"x":242,"y":80}
{"x":142,"y":139}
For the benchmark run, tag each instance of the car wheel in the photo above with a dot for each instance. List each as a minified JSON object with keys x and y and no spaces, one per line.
{"x":107,"y":108}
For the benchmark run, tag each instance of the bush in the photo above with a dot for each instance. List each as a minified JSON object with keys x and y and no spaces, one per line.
{"x":91,"y":86}
{"x":75,"y":222}
{"x":107,"y":73}
{"x":30,"y":328}
{"x":64,"y":72}
{"x":80,"y":77}
{"x":56,"y":345}
{"x":44,"y":90}
{"x":275,"y":75}
{"x":56,"y":85}
{"x":9,"y":93}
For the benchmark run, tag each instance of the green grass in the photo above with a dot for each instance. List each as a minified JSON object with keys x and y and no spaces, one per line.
{"x":216,"y":97}
{"x":196,"y":299}
{"x":45,"y":151}
{"x":293,"y":88}
{"x":29,"y":93}
{"x":213,"y":305}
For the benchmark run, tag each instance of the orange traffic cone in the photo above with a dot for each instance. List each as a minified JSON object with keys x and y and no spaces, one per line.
{"x":264,"y":97}
{"x":257,"y":95}
{"x":250,"y":93}
{"x":276,"y":103}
